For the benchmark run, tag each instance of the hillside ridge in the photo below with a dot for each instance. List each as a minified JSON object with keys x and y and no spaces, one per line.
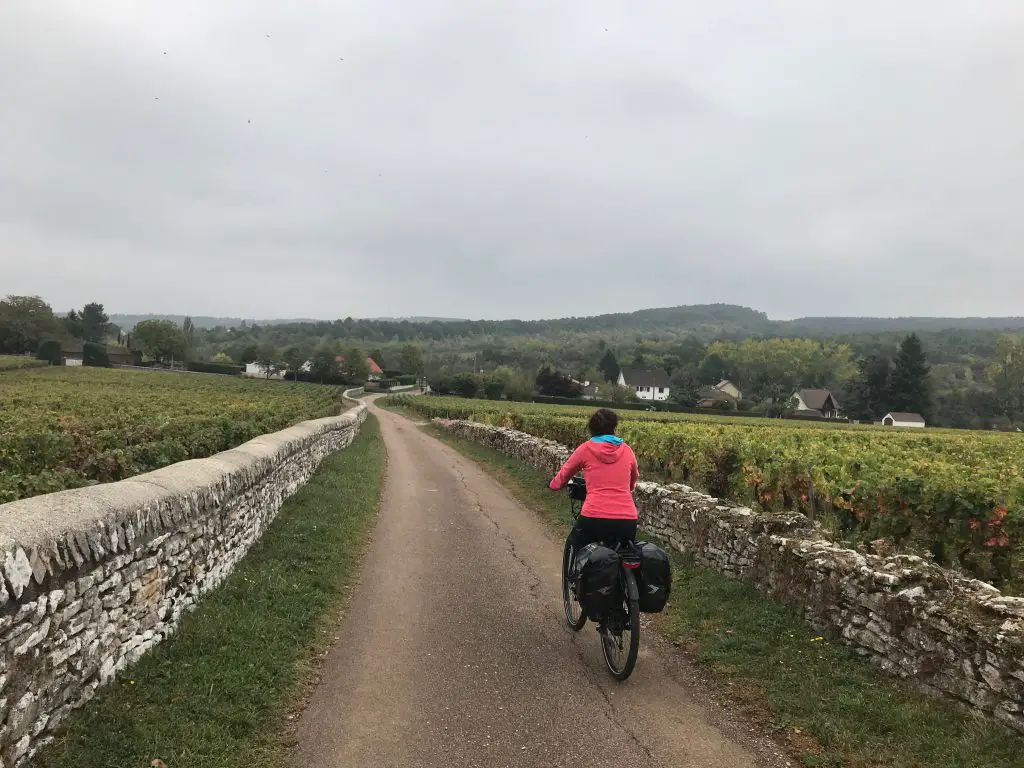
{"x":727,"y":317}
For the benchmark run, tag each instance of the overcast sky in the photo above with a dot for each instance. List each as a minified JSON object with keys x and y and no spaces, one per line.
{"x":513,"y":158}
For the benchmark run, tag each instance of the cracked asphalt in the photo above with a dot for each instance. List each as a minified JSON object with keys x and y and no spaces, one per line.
{"x":454,"y":650}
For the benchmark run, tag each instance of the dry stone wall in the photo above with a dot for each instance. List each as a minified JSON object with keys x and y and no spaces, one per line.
{"x":93,"y":578}
{"x":952,"y":635}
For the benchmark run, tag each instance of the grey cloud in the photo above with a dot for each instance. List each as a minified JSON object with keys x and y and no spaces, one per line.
{"x":513,"y":159}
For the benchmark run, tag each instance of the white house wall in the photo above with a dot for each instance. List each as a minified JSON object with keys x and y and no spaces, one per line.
{"x":256,"y":371}
{"x":648,"y":395}
{"x":653,"y":393}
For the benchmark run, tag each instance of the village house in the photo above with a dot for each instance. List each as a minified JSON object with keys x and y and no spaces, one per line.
{"x":900,"y":419}
{"x":645,"y":384}
{"x":257,"y":371}
{"x":73,"y":354}
{"x":816,"y":402}
{"x":723,"y":391}
{"x":376,"y":372}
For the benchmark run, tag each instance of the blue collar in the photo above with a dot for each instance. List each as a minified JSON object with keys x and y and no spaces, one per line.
{"x":612,"y":439}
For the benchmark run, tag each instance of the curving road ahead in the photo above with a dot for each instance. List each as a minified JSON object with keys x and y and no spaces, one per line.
{"x":454,"y":650}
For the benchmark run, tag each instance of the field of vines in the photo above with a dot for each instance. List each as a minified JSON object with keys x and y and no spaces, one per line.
{"x":68,"y":427}
{"x":17,"y":362}
{"x":957,"y":496}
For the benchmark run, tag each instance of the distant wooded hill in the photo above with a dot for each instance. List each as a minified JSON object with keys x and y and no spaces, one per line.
{"x":130,"y":321}
{"x":706,"y":321}
{"x":962,"y":352}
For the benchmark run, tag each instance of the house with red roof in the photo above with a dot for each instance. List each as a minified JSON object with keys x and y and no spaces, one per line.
{"x":376,"y":372}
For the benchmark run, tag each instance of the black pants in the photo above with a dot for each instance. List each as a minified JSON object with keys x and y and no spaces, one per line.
{"x":590,"y":529}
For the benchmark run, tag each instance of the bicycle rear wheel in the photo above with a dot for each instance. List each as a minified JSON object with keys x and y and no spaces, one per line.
{"x":574,"y":613}
{"x":620,"y":635}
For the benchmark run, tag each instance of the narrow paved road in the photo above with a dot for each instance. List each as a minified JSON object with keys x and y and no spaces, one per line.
{"x":454,"y":650}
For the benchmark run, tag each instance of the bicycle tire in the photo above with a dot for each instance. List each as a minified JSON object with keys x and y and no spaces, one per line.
{"x":569,"y":602}
{"x":622,"y":672}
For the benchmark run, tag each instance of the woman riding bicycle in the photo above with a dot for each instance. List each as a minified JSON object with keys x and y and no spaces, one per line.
{"x":610,"y":470}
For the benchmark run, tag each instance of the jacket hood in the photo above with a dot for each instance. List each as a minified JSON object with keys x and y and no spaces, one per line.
{"x":608,"y":453}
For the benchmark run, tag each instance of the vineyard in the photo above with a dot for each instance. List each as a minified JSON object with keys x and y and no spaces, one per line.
{"x":18,"y":362}
{"x":957,"y":496}
{"x":68,"y":427}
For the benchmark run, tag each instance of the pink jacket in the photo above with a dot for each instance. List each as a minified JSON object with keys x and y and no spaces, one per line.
{"x":611,"y":473}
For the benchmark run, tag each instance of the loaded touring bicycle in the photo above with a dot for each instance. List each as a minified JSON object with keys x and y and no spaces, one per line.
{"x":612,"y":583}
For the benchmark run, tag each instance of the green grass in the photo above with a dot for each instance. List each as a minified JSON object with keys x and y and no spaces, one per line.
{"x":826,"y":705}
{"x":217,"y":694}
{"x":19,"y":362}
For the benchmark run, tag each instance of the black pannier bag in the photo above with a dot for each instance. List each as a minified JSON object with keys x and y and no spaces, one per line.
{"x":654,"y":578}
{"x":599,"y":588}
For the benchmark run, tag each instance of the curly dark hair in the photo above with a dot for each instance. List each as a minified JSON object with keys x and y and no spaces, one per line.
{"x":603,"y":422}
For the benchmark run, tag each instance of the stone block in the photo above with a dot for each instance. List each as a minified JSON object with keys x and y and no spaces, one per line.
{"x":17,"y":571}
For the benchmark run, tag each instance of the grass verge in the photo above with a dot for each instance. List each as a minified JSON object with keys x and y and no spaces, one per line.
{"x":217,"y":694}
{"x":828,"y":706}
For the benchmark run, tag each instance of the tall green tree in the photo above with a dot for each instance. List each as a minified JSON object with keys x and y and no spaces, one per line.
{"x":26,"y":322}
{"x":609,"y":366}
{"x":1006,"y":375}
{"x":294,"y":357}
{"x":72,"y":322}
{"x":689,"y":351}
{"x":95,"y":355}
{"x":496,"y":382}
{"x":51,"y":352}
{"x":519,"y":386}
{"x":556,"y":383}
{"x":465,"y":384}
{"x":90,"y":324}
{"x":712,"y":369}
{"x":866,"y":397}
{"x":269,"y":360}
{"x":96,"y":323}
{"x":910,"y":383}
{"x":248,"y":354}
{"x":411,"y":359}
{"x":353,"y":364}
{"x":324,"y":360}
{"x":160,"y":340}
{"x":686,"y":385}
{"x":188,"y":330}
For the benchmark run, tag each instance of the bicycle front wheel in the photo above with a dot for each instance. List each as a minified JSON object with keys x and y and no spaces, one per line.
{"x":620,"y":635}
{"x":574,"y":613}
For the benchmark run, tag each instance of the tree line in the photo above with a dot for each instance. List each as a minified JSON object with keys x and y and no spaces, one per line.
{"x":28,"y":321}
{"x":890,"y":374}
{"x":962,"y":377}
